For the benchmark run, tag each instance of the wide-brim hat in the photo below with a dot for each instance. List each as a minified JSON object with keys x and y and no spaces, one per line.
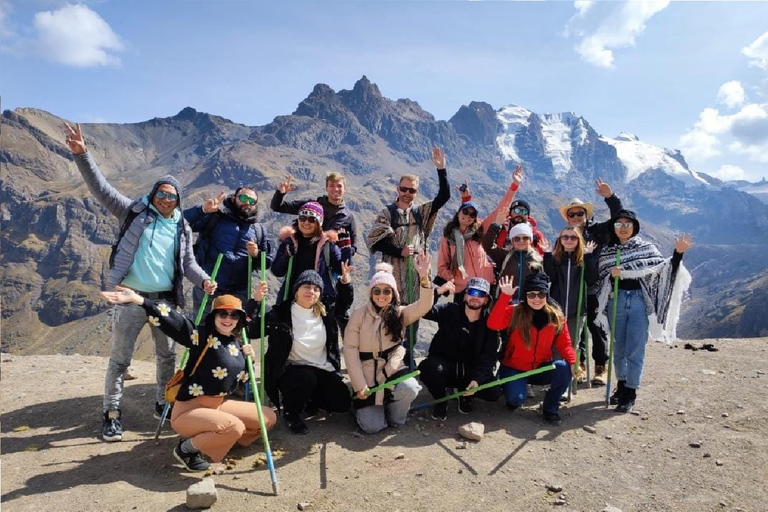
{"x":576,"y":203}
{"x":628,"y":214}
{"x":227,"y":302}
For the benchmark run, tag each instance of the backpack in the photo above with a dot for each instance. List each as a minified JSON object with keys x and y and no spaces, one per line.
{"x":123,"y":228}
{"x":206,"y":232}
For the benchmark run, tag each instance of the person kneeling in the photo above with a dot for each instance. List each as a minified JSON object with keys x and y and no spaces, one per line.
{"x":535,"y":326}
{"x":463,"y":351}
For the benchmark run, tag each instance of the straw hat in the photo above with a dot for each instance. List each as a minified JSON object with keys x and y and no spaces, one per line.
{"x":576,"y":203}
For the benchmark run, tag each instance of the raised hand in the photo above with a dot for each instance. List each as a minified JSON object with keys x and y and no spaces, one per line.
{"x":507,"y":285}
{"x":346,"y":270}
{"x":589,"y":247}
{"x":123,"y":295}
{"x":449,"y":287}
{"x":260,"y":291}
{"x":75,"y":139}
{"x":285,"y":186}
{"x":603,"y":189}
{"x":545,"y":245}
{"x":502,"y":215}
{"x":438,"y":158}
{"x":212,"y":205}
{"x":464,"y":191}
{"x":683,"y":243}
{"x":517,"y":176}
{"x":423,"y":261}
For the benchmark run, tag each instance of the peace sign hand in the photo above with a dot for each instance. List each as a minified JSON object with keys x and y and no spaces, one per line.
{"x":603,"y":189}
{"x":75,"y":139}
{"x":285,"y":186}
{"x":346,"y":270}
{"x":212,"y":205}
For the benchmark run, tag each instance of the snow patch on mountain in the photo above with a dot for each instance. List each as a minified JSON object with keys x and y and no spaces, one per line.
{"x":561,"y":133}
{"x":513,"y":119}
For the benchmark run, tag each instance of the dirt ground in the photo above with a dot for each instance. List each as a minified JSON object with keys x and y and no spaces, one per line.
{"x":53,"y":458}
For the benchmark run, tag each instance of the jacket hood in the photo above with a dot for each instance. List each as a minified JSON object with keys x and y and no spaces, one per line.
{"x":169,"y":180}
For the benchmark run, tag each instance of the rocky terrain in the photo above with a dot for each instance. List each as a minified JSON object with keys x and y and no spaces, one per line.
{"x":698,"y":442}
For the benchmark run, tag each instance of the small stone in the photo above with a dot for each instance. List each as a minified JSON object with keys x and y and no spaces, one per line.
{"x":695,"y":444}
{"x":718,"y":462}
{"x":760,"y":372}
{"x":461,"y":446}
{"x":707,"y":455}
{"x":554,"y":487}
{"x":611,"y":508}
{"x":590,"y":429}
{"x":419,"y":474}
{"x":609,"y":437}
{"x":473,"y":431}
{"x":634,"y":413}
{"x":202,"y":494}
{"x":708,"y":416}
{"x":560,"y":501}
{"x":304,"y":505}
{"x":356,"y":434}
{"x":725,"y":415}
{"x":681,"y":411}
{"x":400,"y":456}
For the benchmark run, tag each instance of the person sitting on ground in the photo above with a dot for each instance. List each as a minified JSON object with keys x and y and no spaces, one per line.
{"x":535,"y":327}
{"x":374,"y":352}
{"x":463,"y":351}
{"x":208,"y":423}
{"x":650,"y":292}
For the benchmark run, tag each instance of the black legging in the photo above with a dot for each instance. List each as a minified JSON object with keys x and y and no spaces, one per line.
{"x":438,"y":373}
{"x":599,"y":352}
{"x":301,"y":383}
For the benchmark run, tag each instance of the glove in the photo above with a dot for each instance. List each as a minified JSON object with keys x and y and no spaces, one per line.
{"x":290,"y":247}
{"x":344,"y":240}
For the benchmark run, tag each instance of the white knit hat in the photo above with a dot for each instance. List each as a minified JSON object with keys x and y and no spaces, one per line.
{"x":384,"y":275}
{"x":522,"y":229}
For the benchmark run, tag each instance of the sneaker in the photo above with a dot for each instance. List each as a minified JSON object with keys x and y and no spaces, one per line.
{"x":600,"y":376}
{"x":440,"y":411}
{"x":552,"y":418}
{"x":626,"y":401}
{"x":112,"y":427}
{"x":192,"y":461}
{"x":159,"y":407}
{"x":617,"y":394}
{"x":295,"y":424}
{"x":465,"y":404}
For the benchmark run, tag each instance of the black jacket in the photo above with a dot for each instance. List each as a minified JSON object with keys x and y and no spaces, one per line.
{"x":565,"y":281}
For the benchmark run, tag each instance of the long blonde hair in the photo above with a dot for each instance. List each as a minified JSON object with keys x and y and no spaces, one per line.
{"x":523,"y":318}
{"x":559,"y":253}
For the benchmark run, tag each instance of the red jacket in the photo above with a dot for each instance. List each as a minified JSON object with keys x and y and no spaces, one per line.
{"x":516,"y":354}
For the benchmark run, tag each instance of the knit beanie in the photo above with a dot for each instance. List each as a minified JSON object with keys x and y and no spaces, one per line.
{"x":384,"y":275}
{"x":522,"y":229}
{"x":538,"y":282}
{"x":167,"y":180}
{"x":307,"y":277}
{"x":520,"y":202}
{"x":312,"y":209}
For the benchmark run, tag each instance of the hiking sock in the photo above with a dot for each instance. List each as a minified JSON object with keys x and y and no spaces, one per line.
{"x":188,"y":447}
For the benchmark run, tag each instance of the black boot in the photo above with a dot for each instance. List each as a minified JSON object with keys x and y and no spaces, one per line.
{"x":616,"y":396}
{"x":627,"y":400}
{"x":295,"y":424}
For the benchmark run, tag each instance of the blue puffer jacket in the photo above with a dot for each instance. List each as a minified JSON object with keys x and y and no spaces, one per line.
{"x":228,"y":236}
{"x":120,"y":206}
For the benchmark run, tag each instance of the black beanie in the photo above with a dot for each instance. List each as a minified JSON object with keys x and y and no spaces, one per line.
{"x":307,"y":277}
{"x":520,"y":202}
{"x":538,"y":282}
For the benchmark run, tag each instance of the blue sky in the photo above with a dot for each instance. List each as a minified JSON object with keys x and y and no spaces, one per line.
{"x":687,"y":75}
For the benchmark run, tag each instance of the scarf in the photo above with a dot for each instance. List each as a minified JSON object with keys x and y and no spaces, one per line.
{"x":458,"y":239}
{"x":662,"y":286}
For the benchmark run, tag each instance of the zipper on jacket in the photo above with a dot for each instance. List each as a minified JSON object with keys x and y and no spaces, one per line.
{"x":520,"y":278}
{"x":535,"y":349}
{"x":568,"y":287}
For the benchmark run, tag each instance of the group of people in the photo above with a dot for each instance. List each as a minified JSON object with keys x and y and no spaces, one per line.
{"x":516,"y":302}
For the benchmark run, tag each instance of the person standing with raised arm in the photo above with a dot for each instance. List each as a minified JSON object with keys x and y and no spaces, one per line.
{"x":152,"y":253}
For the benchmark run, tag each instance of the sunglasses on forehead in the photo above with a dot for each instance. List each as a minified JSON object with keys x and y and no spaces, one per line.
{"x":244,"y":198}
{"x":579,"y":213}
{"x":408,"y":189}
{"x":161,"y":194}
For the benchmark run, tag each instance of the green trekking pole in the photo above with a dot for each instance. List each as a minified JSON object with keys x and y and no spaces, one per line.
{"x":411,"y":342}
{"x":185,"y":355}
{"x":388,"y":384}
{"x":287,"y":283}
{"x":262,"y":426}
{"x":263,"y":307}
{"x":613,"y":324}
{"x":575,"y":336}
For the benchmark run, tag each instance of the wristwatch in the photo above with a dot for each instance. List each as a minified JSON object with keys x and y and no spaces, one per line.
{"x":425,"y":282}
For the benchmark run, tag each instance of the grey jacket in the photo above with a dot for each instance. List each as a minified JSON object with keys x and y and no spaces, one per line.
{"x":120,"y":206}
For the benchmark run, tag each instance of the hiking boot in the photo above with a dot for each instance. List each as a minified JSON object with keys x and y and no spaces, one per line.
{"x":112,"y":426}
{"x":512,"y":407}
{"x":192,"y":461}
{"x":616,"y":396}
{"x":626,"y":401}
{"x":582,"y":374}
{"x":311,"y":408}
{"x":295,"y":424}
{"x":158,"y":413}
{"x":465,"y":404}
{"x":552,"y":418}
{"x":600,"y":376}
{"x":440,"y":411}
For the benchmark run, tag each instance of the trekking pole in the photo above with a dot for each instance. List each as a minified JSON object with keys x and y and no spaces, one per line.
{"x":613,"y":324}
{"x":409,"y":294}
{"x":388,"y":384}
{"x":487,"y":385}
{"x":262,"y":426}
{"x":286,"y":290}
{"x":185,"y":354}
{"x":575,"y":336}
{"x":263,"y":329}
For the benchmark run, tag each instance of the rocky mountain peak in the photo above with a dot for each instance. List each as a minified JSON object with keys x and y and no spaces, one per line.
{"x":477,"y":122}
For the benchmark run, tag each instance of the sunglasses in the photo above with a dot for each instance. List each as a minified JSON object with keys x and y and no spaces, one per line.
{"x":520,"y":211}
{"x":228,"y":314}
{"x":161,"y":194}
{"x":536,"y":295}
{"x":382,"y":291}
{"x":243,"y":198}
{"x":410,"y":190}
{"x":619,"y":225}
{"x":521,"y":239}
{"x":579,"y":213}
{"x":470,"y":213}
{"x":471,"y":292}
{"x":569,"y":238}
{"x":306,"y":218}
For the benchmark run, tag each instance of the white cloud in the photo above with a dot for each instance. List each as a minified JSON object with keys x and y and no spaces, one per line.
{"x":6,"y":32}
{"x":731,"y":94}
{"x":757,"y":52}
{"x":729,"y":172}
{"x":606,"y":26}
{"x":76,"y":36}
{"x":698,"y":145}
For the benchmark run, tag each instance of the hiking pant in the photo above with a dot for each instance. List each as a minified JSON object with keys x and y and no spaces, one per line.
{"x":394,"y":412}
{"x":127,"y":322}
{"x":301,"y":383}
{"x":599,"y":339}
{"x":558,"y":379}
{"x":438,"y":373}
{"x":630,"y":335}
{"x":214,"y":425}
